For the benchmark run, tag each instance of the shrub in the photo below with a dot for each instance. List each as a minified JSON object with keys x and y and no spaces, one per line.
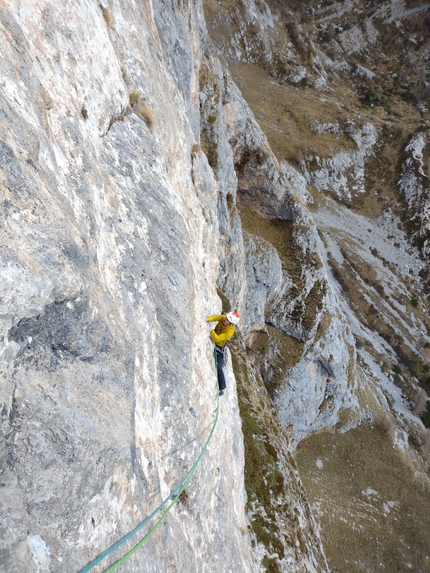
{"x":373,"y":309}
{"x":195,"y":149}
{"x":139,"y":107}
{"x":414,"y":300}
{"x":426,"y":416}
{"x":210,"y":149}
{"x":145,"y":113}
{"x":337,"y":275}
{"x":133,"y":98}
{"x":107,"y":17}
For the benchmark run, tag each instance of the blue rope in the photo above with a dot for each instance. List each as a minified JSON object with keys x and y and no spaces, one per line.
{"x":130,"y":534}
{"x":176,"y":492}
{"x":159,"y":522}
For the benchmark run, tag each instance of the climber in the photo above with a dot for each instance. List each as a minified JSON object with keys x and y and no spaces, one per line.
{"x":222,"y":332}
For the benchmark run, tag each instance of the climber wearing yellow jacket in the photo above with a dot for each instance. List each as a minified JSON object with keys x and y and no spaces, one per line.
{"x":222,"y":332}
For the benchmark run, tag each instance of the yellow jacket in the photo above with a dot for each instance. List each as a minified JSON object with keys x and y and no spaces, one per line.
{"x":221,"y":333}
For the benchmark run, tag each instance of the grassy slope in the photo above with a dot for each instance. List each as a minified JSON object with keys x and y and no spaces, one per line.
{"x":380,"y":520}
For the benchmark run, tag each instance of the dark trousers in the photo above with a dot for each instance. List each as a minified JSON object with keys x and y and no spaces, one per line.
{"x":219,"y":357}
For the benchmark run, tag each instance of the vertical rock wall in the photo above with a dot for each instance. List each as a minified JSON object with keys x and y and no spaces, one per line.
{"x":109,"y":242}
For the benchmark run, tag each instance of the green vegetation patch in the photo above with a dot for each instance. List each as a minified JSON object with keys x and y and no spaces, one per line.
{"x":209,"y":114}
{"x":277,"y":232}
{"x":261,"y":470}
{"x":426,"y":416}
{"x":264,"y":481}
{"x":313,"y":304}
{"x":323,"y":326}
{"x":271,"y":565}
{"x":210,"y":149}
{"x":285,"y":352}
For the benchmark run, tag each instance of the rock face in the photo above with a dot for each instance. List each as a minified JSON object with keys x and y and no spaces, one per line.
{"x":109,"y":243}
{"x":343,"y":174}
{"x":139,"y":195}
{"x":414,"y":184}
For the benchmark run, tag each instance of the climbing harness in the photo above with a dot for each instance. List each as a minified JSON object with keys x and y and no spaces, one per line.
{"x":224,"y":351}
{"x":174,"y":495}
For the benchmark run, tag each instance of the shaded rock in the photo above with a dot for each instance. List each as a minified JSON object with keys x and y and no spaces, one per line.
{"x":420,"y":403}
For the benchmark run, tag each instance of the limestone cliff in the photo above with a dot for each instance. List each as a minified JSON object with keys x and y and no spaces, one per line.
{"x":150,"y":177}
{"x":109,"y":267}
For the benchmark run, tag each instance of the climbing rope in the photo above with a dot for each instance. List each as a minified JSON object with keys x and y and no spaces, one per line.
{"x":173,"y":494}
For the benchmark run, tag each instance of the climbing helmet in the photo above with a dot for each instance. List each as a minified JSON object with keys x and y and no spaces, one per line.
{"x":233,"y":317}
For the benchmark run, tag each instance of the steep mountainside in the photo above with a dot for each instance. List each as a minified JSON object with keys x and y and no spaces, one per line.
{"x":341,"y":90}
{"x":150,"y":177}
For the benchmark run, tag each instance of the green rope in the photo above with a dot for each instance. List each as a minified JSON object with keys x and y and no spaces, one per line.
{"x":161,"y":519}
{"x":139,"y":526}
{"x":176,"y":492}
